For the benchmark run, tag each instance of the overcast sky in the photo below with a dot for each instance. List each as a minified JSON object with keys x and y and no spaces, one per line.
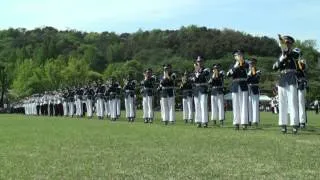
{"x":299,"y":18}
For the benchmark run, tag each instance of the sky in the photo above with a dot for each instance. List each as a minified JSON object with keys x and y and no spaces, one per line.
{"x":298,"y":18}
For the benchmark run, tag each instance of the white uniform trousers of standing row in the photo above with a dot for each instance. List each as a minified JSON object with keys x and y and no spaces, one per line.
{"x":99,"y":107}
{"x":254,"y":113}
{"x":168,"y":109}
{"x":288,"y":103}
{"x":302,"y":106}
{"x":130,"y":108}
{"x":187,"y":104}
{"x":89,"y":108}
{"x":65,"y":108}
{"x":147,"y":107}
{"x":240,"y":107}
{"x":107,"y":108}
{"x":118,"y":107}
{"x":201,"y":108}
{"x":71,"y":108}
{"x":217,"y":107}
{"x":79,"y":110}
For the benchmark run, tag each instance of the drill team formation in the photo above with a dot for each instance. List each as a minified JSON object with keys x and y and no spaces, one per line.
{"x":196,"y":88}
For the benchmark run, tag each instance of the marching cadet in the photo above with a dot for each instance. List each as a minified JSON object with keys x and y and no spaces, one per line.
{"x":217,"y":103}
{"x":113,"y":91}
{"x":89,"y":93}
{"x":58,"y":104}
{"x":129,"y":90}
{"x":50,"y":104}
{"x":187,"y":101}
{"x":118,"y":101}
{"x":100,"y":101}
{"x":254,"y":92}
{"x":107,"y":100}
{"x":147,"y":87}
{"x":166,"y":88}
{"x":71,"y":94}
{"x":287,"y":88}
{"x":201,"y":75}
{"x":65,"y":103}
{"x":302,"y":86}
{"x":78,"y":102}
{"x":239,"y":89}
{"x":38,"y":101}
{"x":45,"y":103}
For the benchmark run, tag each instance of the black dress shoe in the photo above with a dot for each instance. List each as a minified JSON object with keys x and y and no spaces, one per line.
{"x":145,"y":120}
{"x":244,"y":127}
{"x":221,"y":123}
{"x":294,"y":129}
{"x":214,"y":122}
{"x":165,"y":122}
{"x":205,"y":125}
{"x":284,"y":129}
{"x":236,"y":127}
{"x":198,"y":125}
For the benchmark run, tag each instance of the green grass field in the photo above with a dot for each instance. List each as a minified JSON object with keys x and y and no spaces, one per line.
{"x":70,"y":148}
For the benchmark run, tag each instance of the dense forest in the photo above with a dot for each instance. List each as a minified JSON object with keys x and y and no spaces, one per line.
{"x":33,"y":61}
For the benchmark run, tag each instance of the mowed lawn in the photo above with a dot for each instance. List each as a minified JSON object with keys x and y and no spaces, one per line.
{"x":69,"y":148}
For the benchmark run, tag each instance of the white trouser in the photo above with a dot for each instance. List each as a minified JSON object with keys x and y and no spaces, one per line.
{"x":147,"y":107}
{"x":254,"y":116}
{"x":113,"y":108}
{"x":106,"y":107}
{"x":109,"y":107}
{"x":71,"y":108}
{"x":99,"y":107}
{"x":168,"y":109}
{"x":79,"y":111}
{"x":302,"y":106}
{"x":288,"y":103}
{"x":118,"y":106}
{"x":89,"y":107}
{"x":129,"y":105}
{"x":187,"y":108}
{"x":240,"y":107}
{"x":65,"y":108}
{"x":217,"y":107}
{"x":201,"y":108}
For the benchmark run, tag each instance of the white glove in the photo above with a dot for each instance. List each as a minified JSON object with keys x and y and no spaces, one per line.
{"x":236,"y":65}
{"x":275,"y":65}
{"x":230,"y":72}
{"x":249,"y":73}
{"x":258,"y":72}
{"x":282,"y":57}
